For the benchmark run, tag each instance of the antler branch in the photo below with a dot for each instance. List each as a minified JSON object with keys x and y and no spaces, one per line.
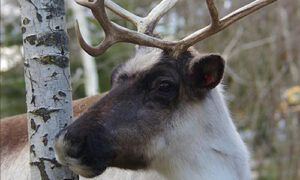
{"x":145,"y":25}
{"x":156,"y":14}
{"x":223,"y":23}
{"x":213,"y":11}
{"x":115,"y":33}
{"x":127,"y":15}
{"x":93,"y":51}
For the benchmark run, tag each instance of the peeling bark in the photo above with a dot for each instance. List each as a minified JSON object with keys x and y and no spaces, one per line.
{"x":47,"y":77}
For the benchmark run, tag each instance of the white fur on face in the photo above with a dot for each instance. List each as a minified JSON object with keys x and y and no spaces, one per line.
{"x":121,"y":174}
{"x":202,"y":144}
{"x":142,"y":61}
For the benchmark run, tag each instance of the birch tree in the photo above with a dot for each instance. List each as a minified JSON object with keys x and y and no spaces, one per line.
{"x":91,"y":84}
{"x":47,"y":77}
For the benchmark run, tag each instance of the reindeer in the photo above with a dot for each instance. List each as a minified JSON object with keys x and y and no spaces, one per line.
{"x":165,"y":115}
{"x":164,"y":118}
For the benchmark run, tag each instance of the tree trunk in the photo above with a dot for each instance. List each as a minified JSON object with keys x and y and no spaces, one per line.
{"x":47,"y":77}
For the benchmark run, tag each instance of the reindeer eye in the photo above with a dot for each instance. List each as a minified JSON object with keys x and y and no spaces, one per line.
{"x":165,"y":86}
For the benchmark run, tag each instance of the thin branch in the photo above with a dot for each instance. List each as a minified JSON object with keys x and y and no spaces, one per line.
{"x":251,"y":45}
{"x":232,"y":43}
{"x":236,"y":77}
{"x":284,"y":20}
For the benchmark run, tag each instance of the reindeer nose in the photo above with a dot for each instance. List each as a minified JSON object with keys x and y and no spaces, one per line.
{"x":68,"y":144}
{"x":76,"y":147}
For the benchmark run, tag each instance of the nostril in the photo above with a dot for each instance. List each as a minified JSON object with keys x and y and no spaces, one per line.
{"x":70,"y":142}
{"x":76,"y":149}
{"x":76,"y":145}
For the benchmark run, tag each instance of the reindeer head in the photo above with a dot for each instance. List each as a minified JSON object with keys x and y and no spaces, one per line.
{"x":149,"y":92}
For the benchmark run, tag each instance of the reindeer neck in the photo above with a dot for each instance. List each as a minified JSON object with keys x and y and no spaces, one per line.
{"x":205,"y":144}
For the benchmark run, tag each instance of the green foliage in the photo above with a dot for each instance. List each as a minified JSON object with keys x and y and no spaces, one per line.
{"x":10,"y":35}
{"x":12,"y":92}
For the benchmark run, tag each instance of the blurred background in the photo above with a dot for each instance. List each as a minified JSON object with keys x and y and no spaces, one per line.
{"x":262,"y":78}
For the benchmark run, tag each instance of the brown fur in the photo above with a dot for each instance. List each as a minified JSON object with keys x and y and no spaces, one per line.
{"x":13,"y":130}
{"x":13,"y":134}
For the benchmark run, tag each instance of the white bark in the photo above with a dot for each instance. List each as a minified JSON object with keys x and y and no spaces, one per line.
{"x":47,"y":77}
{"x":91,"y":84}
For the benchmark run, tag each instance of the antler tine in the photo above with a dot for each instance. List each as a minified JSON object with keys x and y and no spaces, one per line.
{"x":108,"y":27}
{"x":132,"y":18}
{"x":213,"y":11}
{"x":221,"y":24}
{"x":115,"y":33}
{"x":99,"y":13}
{"x":93,"y":51}
{"x":244,"y":11}
{"x":156,"y":14}
{"x":88,"y":4}
{"x":143,"y":24}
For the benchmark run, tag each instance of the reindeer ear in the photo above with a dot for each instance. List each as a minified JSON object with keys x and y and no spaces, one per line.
{"x":206,"y":72}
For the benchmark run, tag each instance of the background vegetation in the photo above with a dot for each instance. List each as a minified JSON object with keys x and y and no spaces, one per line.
{"x":262,"y":77}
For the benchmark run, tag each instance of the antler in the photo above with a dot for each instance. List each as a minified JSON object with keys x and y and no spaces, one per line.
{"x":146,"y":25}
{"x":115,"y":33}
{"x":143,"y":24}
